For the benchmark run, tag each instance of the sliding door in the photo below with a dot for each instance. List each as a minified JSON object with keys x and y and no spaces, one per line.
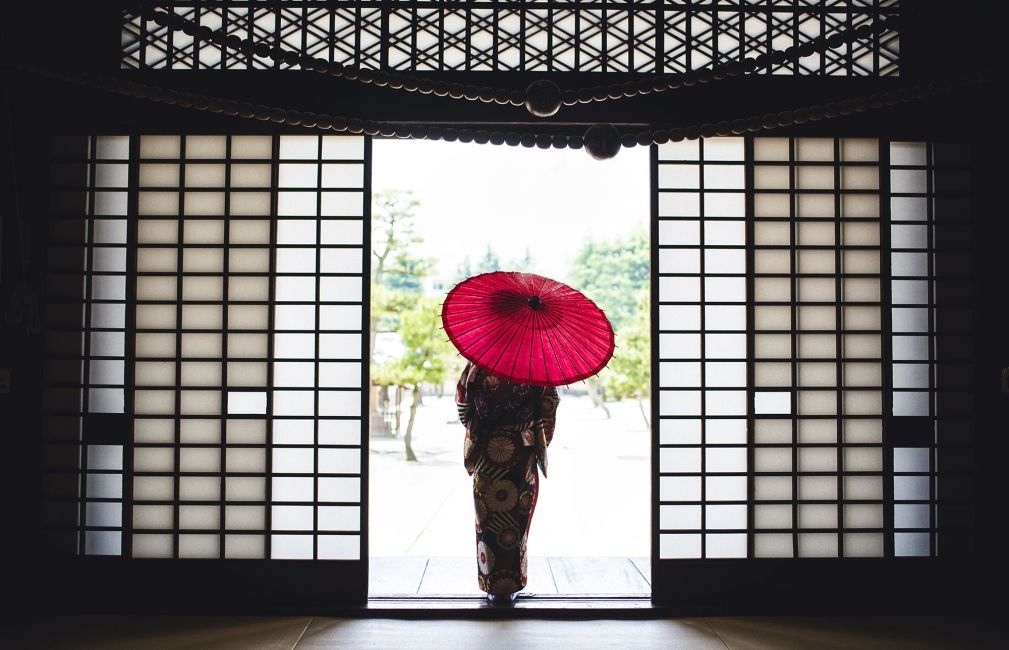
{"x":207,"y":413}
{"x":812,"y":364}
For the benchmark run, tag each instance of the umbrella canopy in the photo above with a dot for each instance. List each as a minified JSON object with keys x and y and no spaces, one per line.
{"x":527,"y":329}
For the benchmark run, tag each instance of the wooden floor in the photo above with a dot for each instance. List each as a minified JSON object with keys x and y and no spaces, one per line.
{"x":319,"y":633}
{"x":456,"y":576}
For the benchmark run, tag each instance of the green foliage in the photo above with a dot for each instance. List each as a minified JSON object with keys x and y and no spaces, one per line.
{"x":627,"y":374}
{"x":387,"y":305}
{"x":428,"y":353}
{"x":408,"y":272}
{"x":613,"y":273}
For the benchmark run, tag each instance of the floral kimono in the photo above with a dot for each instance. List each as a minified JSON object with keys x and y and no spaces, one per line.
{"x":508,"y":429}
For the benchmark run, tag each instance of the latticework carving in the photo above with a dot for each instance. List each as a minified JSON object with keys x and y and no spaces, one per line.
{"x":647,"y":36}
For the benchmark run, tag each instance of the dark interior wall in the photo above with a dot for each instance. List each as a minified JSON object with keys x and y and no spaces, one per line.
{"x":939,"y":36}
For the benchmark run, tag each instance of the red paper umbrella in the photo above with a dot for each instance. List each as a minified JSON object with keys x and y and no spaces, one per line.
{"x":527,"y":329}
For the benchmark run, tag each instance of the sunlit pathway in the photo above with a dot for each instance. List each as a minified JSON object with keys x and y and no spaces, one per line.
{"x":594,"y":503}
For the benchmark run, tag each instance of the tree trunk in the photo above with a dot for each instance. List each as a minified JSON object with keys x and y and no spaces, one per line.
{"x":644,"y":413}
{"x":377,"y":425}
{"x":408,"y":436}
{"x":399,"y":410}
{"x":598,"y":397}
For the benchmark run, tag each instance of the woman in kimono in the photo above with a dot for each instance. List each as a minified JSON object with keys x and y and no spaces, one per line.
{"x":508,"y":429}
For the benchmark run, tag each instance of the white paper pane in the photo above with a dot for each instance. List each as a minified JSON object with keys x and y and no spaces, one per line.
{"x":679,"y":488}
{"x":340,"y":403}
{"x":335,"y":489}
{"x":817,"y":545}
{"x":341,"y":260}
{"x":339,"y":547}
{"x":145,"y":545}
{"x":293,"y":461}
{"x":244,"y":546}
{"x":911,"y":545}
{"x":105,"y":486}
{"x":725,"y":546}
{"x":679,"y":546}
{"x":251,"y":146}
{"x":198,"y":546}
{"x":105,"y":457}
{"x":336,"y":147}
{"x":679,"y":517}
{"x":292,"y":517}
{"x":342,"y":231}
{"x":339,"y":518}
{"x":725,"y":488}
{"x":291,"y":488}
{"x":106,"y":400}
{"x":299,"y":147}
{"x":769,"y":403}
{"x":340,"y":432}
{"x":340,"y":289}
{"x":104,"y":514}
{"x":772,"y":545}
{"x":103,"y":542}
{"x":342,"y":204}
{"x":683,"y":150}
{"x":298,"y":175}
{"x":725,"y":459}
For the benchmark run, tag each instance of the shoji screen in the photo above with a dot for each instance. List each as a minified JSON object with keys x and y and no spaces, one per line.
{"x":817,"y":371}
{"x":86,"y":408}
{"x":814,"y":360}
{"x":932,"y":348}
{"x":249,"y":353}
{"x":813,"y":373}
{"x":700,"y":232}
{"x":205,"y":396}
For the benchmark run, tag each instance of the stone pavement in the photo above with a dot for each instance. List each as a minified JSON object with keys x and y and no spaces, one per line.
{"x":595,"y":502}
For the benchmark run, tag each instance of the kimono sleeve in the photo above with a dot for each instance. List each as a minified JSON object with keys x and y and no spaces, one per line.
{"x":547,"y":415}
{"x":462,"y":401}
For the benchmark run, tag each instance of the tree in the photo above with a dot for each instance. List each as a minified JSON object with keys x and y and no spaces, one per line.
{"x":464,"y":270}
{"x":426,"y":360}
{"x":612,"y":273}
{"x":397,"y":272}
{"x":627,"y":374}
{"x":523,"y":264}
{"x":393,"y":232}
{"x":489,"y":263}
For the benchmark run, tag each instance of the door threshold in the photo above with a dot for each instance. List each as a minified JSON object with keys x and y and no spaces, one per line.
{"x":548,"y":605}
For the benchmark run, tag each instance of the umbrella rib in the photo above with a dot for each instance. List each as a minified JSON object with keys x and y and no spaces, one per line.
{"x":505,"y":348}
{"x":573,"y":354}
{"x":538,"y":332}
{"x":500,"y":326}
{"x":527,"y":326}
{"x":549,"y":335}
{"x":500,"y":318}
{"x":475,"y":314}
{"x":566,"y":343}
{"x":582,"y":318}
{"x":592,"y":341}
